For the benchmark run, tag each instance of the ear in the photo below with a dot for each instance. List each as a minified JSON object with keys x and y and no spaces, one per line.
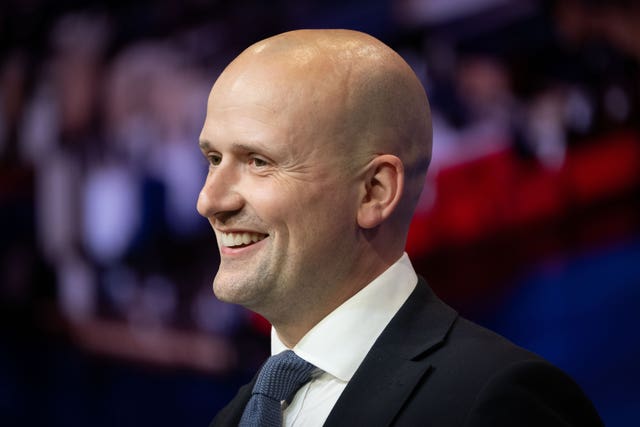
{"x":383,"y":186}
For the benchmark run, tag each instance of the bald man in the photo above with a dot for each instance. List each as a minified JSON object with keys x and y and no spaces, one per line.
{"x":318,"y":143}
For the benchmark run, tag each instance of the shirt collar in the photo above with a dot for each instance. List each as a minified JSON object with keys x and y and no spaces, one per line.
{"x":339,"y":343}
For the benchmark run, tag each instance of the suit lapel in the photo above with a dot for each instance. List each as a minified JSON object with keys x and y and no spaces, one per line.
{"x":396,"y":363}
{"x":375,"y":398}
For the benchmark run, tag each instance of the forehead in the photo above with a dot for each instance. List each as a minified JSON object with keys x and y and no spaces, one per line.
{"x":276,"y":83}
{"x":272,"y":102}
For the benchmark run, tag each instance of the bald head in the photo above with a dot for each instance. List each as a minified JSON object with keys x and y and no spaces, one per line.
{"x":355,"y":90}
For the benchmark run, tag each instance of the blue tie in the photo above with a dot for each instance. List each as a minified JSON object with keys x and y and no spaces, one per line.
{"x":280,"y":378}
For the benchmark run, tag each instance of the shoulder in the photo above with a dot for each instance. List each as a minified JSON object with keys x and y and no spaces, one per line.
{"x":535,"y":393}
{"x":479,"y":378}
{"x":475,"y":377}
{"x":481,"y":350}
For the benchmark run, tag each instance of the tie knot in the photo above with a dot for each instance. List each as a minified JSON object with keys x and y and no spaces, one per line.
{"x":282,"y":375}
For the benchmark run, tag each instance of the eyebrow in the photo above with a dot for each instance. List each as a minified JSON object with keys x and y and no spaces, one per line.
{"x":251,"y":147}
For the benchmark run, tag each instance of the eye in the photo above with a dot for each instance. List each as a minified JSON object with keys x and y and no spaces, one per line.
{"x":258,"y":162}
{"x":214,"y":159}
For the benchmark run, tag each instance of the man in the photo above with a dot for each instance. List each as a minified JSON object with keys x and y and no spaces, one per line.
{"x":318,"y":143}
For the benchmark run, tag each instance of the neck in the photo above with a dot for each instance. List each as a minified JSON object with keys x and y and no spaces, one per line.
{"x":293,"y":325}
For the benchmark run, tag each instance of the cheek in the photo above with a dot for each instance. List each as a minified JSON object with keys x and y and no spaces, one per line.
{"x":306,"y":209}
{"x":327,"y":217}
{"x":278,"y":199}
{"x":269,"y":203}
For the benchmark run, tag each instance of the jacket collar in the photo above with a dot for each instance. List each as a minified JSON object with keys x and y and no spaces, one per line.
{"x":397,"y":361}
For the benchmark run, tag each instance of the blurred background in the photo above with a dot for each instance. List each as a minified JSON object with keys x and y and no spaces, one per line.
{"x":529,"y":222}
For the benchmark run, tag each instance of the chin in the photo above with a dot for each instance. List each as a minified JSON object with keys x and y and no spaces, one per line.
{"x":223,"y":291}
{"x":234,"y":291}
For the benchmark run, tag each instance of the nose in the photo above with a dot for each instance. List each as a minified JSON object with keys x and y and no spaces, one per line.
{"x":219,"y":197}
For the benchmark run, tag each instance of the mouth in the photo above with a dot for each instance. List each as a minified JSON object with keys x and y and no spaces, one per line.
{"x":240,"y":239}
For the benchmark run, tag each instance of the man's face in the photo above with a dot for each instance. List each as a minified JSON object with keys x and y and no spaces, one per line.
{"x":282,"y":207}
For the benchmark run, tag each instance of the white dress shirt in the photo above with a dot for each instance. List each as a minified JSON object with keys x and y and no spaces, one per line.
{"x":338,"y":344}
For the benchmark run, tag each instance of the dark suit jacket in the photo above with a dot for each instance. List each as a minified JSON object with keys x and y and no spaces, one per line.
{"x":430,"y":367}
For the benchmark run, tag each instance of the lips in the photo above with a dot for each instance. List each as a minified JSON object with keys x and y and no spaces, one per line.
{"x":240,"y":239}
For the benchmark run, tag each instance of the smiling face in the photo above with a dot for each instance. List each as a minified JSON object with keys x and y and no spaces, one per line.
{"x":282,"y":206}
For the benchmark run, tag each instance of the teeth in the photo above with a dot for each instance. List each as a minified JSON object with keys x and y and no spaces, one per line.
{"x":237,"y":239}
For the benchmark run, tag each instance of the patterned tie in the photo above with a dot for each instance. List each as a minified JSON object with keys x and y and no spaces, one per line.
{"x":280,"y":378}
